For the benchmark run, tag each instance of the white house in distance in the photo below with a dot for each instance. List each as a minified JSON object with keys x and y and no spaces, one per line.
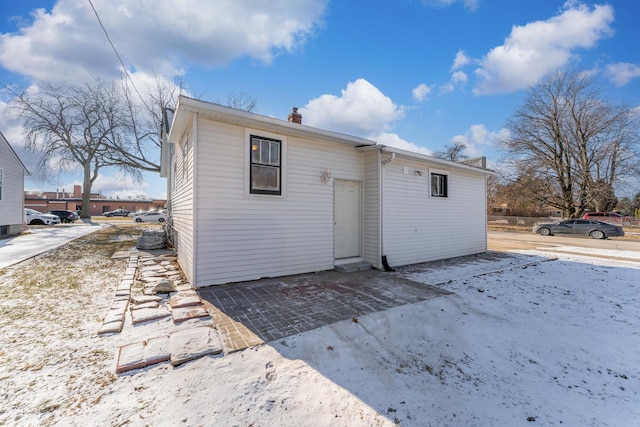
{"x":12,"y":172}
{"x":251,"y":196}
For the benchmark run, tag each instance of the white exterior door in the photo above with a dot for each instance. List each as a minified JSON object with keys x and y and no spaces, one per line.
{"x":347,"y":216}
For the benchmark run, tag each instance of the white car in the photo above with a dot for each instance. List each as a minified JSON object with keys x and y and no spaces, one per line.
{"x":33,"y":217}
{"x":151,"y":217}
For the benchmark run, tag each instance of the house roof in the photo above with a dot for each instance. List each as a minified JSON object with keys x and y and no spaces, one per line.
{"x":244,"y":118}
{"x":186,"y":105}
{"x":14,"y":153}
{"x":424,"y":157}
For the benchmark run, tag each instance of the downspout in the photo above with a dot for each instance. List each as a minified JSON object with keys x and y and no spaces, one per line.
{"x":383,"y":163}
{"x":195,"y":188}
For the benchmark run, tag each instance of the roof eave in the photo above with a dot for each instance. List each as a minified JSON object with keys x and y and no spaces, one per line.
{"x":26,"y":171}
{"x":243,"y":118}
{"x":424,"y":157}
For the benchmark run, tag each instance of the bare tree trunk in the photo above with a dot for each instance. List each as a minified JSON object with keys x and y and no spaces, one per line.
{"x":86,"y":190}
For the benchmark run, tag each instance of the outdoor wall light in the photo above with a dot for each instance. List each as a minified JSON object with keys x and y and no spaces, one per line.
{"x":326,"y":176}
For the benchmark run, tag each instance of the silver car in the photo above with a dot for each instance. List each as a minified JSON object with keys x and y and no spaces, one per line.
{"x":151,"y":217}
{"x":579,"y":227}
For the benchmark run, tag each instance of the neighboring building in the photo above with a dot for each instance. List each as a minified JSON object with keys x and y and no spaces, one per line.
{"x":12,"y":173}
{"x":44,"y":201}
{"x":251,"y":196}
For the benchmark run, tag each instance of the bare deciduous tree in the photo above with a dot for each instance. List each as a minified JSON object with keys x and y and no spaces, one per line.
{"x":94,"y":126}
{"x":241,"y":101}
{"x":453,"y":152}
{"x":571,"y":143}
{"x":138,"y":145}
{"x":70,"y":126}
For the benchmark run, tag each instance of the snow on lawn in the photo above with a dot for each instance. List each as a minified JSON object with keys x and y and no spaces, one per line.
{"x":597,"y":252}
{"x":527,"y":339}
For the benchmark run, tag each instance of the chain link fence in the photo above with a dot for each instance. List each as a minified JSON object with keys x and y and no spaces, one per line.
{"x":518,"y":221}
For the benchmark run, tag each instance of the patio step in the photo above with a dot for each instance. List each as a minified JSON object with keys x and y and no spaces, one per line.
{"x":352,"y":267}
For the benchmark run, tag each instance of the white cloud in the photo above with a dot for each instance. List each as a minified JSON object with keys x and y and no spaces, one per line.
{"x":622,"y":73}
{"x":421,"y":92}
{"x":478,"y":139}
{"x":460,"y":60}
{"x":459,"y":77}
{"x":446,"y":88}
{"x":361,"y":110}
{"x":156,"y":36}
{"x":470,"y":5}
{"x":10,"y":126}
{"x":393,"y":140}
{"x":533,"y":50}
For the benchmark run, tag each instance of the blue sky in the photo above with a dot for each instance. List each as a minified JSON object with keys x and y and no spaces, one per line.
{"x":417,"y":74}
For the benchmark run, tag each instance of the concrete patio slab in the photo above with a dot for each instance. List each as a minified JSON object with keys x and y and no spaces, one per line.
{"x":182,"y":314}
{"x":193,"y":343}
{"x":157,"y":350}
{"x":148,"y":314}
{"x":130,"y":357}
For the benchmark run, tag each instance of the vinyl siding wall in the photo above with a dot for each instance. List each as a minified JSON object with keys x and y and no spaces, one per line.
{"x":419,"y":228}
{"x":242,"y":236}
{"x":12,"y":202}
{"x":371,"y":212}
{"x":182,"y":201}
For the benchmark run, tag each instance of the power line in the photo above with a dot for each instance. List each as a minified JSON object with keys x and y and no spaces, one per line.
{"x":117,"y":55}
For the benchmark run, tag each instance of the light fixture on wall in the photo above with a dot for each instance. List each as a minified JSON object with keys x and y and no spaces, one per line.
{"x":418,"y":173}
{"x":326,"y":176}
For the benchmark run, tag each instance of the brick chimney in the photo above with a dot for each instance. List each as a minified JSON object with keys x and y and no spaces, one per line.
{"x":77,"y":191}
{"x":294,"y":116}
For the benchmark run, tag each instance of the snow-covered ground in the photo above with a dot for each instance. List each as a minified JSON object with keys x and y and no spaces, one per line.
{"x":537,"y":338}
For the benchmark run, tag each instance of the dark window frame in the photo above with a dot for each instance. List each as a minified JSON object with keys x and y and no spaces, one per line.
{"x":441,"y":190}
{"x":270,"y":163}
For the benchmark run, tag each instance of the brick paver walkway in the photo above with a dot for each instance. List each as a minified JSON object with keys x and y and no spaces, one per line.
{"x":271,"y":309}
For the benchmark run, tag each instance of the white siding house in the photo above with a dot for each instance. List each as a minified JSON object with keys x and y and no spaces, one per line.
{"x":12,"y":172}
{"x":251,"y":196}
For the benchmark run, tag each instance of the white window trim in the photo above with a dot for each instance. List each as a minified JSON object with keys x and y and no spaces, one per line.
{"x":185,"y":156}
{"x":448,"y":176}
{"x":173,"y":168}
{"x":247,"y":163}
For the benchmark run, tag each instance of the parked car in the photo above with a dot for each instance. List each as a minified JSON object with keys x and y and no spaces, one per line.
{"x":65,"y":216}
{"x":117,"y":212}
{"x":580,"y":227}
{"x":33,"y":217}
{"x":611,"y":217}
{"x":151,"y":217}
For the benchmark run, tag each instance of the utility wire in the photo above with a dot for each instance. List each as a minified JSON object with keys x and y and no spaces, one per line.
{"x":118,"y":55}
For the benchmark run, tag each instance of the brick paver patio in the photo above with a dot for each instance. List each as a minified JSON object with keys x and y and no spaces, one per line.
{"x":253,"y":312}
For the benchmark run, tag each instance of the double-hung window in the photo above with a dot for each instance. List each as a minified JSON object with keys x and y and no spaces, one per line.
{"x":266,"y":166}
{"x":439,"y":185}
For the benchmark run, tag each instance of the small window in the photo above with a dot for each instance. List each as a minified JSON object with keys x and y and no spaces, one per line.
{"x":265,"y":165}
{"x":438,"y":185}
{"x":185,"y":154}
